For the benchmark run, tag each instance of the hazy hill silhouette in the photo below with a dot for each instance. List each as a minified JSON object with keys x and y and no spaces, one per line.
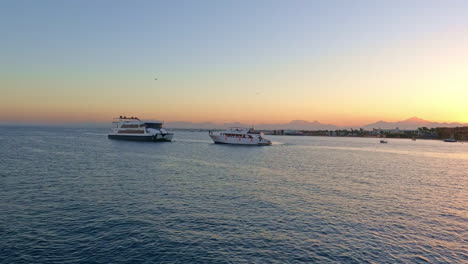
{"x":410,"y":123}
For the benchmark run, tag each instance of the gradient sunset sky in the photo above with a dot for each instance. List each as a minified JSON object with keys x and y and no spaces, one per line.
{"x":341,"y":62}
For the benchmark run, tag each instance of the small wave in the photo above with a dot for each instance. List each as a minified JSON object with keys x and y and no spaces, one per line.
{"x":36,"y":150}
{"x":275,"y":143}
{"x":193,"y":140}
{"x":395,"y":151}
{"x":420,"y":259}
{"x":95,"y":134}
{"x":65,"y":153}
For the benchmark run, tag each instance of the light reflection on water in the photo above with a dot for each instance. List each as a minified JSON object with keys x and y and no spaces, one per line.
{"x":73,"y":195}
{"x":400,"y":151}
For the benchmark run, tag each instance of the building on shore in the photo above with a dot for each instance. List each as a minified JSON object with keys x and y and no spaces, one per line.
{"x":458,"y":133}
{"x":293,"y":133}
{"x":395,"y":132}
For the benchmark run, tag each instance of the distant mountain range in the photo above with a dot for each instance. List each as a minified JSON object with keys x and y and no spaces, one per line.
{"x":410,"y":123}
{"x":299,"y":125}
{"x":293,"y":125}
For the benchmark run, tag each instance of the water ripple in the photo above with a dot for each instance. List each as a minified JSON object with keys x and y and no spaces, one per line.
{"x":72,"y":196}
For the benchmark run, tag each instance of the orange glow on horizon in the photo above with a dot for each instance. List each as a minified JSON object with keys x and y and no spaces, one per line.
{"x":53,"y":116}
{"x":390,"y":84}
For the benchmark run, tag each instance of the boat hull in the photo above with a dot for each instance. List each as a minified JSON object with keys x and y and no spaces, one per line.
{"x":148,"y":138}
{"x":218,"y":139}
{"x":450,"y":140}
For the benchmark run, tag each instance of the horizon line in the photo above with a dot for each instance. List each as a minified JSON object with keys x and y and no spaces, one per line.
{"x":102,"y":123}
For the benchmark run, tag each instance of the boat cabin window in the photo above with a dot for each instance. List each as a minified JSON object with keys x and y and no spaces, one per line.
{"x":234,"y":135}
{"x":132,"y":125}
{"x":153,"y":125}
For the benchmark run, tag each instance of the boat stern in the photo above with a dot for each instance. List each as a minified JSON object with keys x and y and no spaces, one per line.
{"x":265,"y":142}
{"x":164,"y":137}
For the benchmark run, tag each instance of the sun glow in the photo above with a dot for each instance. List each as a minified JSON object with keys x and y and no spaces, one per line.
{"x":272,"y":75}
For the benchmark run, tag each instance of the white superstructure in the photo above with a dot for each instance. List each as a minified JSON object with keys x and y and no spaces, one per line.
{"x":132,"y":128}
{"x":239,"y":136}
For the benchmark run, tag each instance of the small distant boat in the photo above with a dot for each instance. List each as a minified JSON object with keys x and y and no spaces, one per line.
{"x":383,"y":141}
{"x":132,"y":128}
{"x":450,"y":140}
{"x":239,"y":136}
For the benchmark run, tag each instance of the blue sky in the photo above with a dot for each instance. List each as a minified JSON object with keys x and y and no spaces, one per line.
{"x":193,"y":33}
{"x":201,"y":42}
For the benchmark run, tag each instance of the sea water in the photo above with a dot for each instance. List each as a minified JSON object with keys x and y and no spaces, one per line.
{"x":70,"y":195}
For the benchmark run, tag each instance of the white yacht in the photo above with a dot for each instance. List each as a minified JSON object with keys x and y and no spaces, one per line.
{"x":239,"y":136}
{"x":132,"y":128}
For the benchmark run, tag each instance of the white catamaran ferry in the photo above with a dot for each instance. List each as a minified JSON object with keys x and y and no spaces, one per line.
{"x":239,"y":136}
{"x":132,"y":128}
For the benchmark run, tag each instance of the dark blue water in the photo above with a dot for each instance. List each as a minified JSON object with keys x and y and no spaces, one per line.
{"x":73,"y":196}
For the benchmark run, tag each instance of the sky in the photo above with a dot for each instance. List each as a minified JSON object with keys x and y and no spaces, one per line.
{"x":345,"y":62}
